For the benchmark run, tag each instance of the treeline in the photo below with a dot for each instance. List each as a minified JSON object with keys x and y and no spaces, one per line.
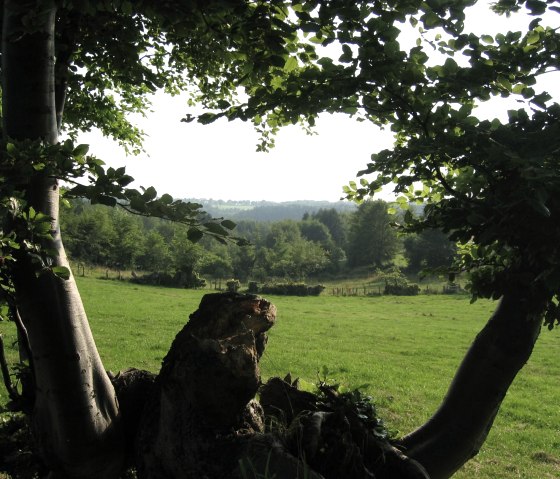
{"x":325,"y":243}
{"x":268,"y":210}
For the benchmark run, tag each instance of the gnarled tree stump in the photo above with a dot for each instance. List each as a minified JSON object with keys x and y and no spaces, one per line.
{"x":202,"y":413}
{"x":201,"y":419}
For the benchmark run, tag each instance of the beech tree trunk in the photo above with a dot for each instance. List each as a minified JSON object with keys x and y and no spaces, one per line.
{"x":75,"y":415}
{"x":455,"y":433}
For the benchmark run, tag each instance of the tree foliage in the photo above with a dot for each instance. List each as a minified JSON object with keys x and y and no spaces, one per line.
{"x":372,"y":242}
{"x":68,"y":66}
{"x":334,"y":221}
{"x":492,"y":185}
{"x":291,"y":250}
{"x":110,"y":57}
{"x":489,"y":183}
{"x":429,"y":250}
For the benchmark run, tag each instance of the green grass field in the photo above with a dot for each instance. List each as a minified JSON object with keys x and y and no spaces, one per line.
{"x":403,"y":351}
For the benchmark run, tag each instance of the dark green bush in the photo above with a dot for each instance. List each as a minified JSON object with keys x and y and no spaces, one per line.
{"x":180,"y":279}
{"x":233,"y":285}
{"x":452,"y":288}
{"x":402,"y":289}
{"x":292,"y":289}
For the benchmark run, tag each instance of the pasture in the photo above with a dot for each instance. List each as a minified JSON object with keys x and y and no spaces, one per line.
{"x":402,"y":350}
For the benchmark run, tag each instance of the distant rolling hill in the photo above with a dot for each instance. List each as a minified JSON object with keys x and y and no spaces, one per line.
{"x":269,"y":210}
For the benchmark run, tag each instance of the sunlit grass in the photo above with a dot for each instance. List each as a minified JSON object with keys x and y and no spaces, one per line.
{"x":402,"y":350}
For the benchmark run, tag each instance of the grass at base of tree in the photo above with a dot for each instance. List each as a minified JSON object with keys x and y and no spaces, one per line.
{"x":402,"y":350}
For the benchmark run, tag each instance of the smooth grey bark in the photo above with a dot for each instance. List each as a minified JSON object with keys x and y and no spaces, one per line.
{"x":75,"y":415}
{"x":455,"y":433}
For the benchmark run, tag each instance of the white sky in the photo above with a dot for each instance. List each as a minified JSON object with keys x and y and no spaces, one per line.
{"x":189,"y":160}
{"x":219,"y":161}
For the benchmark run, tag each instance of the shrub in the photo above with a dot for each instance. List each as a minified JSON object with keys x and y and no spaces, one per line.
{"x":452,"y":288}
{"x":292,"y":289}
{"x":402,"y":289}
{"x":154,"y":279}
{"x":315,"y":290}
{"x":233,"y":285}
{"x":396,"y":283}
{"x":181,"y":279}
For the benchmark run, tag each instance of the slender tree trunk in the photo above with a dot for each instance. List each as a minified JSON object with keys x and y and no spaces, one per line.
{"x":458,"y":429}
{"x":76,"y":414}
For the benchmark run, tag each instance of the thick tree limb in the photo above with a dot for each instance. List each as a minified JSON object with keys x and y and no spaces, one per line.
{"x":455,"y":433}
{"x":12,"y":391}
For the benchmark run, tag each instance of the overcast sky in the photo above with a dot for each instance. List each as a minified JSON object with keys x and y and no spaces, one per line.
{"x":219,"y":160}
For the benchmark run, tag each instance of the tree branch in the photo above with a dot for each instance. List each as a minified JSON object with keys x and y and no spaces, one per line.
{"x":12,"y":391}
{"x":23,"y":338}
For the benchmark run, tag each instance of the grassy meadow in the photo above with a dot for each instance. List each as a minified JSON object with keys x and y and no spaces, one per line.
{"x":402,"y":350}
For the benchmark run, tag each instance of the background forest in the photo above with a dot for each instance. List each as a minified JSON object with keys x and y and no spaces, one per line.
{"x":325,"y":243}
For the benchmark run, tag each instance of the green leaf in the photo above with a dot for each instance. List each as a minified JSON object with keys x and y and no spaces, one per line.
{"x":472,"y":120}
{"x":61,"y":271}
{"x":291,"y":64}
{"x":495,"y":124}
{"x":166,"y":199}
{"x":430,"y":20}
{"x":194,"y":235}
{"x":326,"y":62}
{"x":533,"y":38}
{"x":80,"y":150}
{"x":450,"y":65}
{"x":125,"y":180}
{"x":105,"y":200}
{"x":541,"y":99}
{"x":207,"y":118}
{"x":537,"y":7}
{"x":504,"y":82}
{"x":230,"y":225}
{"x":138,"y":204}
{"x":150,"y":194}
{"x":216,"y":229}
{"x":277,"y":60}
{"x":11,"y":149}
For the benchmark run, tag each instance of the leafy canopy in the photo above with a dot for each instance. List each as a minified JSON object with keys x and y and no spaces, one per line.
{"x":110,"y":56}
{"x":492,"y":185}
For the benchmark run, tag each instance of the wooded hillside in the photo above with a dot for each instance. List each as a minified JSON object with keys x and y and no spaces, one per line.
{"x":320,"y":243}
